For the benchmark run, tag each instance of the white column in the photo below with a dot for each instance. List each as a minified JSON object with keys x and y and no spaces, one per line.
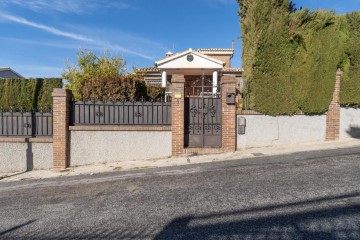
{"x":215,"y":81}
{"x":163,"y":79}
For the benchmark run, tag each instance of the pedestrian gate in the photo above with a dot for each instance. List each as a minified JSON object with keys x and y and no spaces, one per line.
{"x":202,"y":114}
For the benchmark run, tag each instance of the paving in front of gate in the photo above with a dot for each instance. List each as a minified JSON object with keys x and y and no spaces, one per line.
{"x":185,"y":160}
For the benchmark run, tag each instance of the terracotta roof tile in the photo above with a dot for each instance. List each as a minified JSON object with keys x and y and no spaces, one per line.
{"x":233,"y":70}
{"x":154,"y":69}
{"x":148,"y":69}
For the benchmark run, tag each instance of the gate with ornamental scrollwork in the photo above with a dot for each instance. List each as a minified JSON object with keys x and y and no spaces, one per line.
{"x":202,"y":114}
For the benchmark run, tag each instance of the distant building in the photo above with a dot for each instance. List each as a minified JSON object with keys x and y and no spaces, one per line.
{"x":6,"y":72}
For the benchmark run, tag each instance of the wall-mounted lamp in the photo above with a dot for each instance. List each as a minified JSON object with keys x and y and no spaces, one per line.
{"x":178,"y":96}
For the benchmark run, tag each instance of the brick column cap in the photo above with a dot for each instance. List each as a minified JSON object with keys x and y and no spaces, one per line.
{"x":228,"y":79}
{"x":60,"y":92}
{"x":178,"y":78}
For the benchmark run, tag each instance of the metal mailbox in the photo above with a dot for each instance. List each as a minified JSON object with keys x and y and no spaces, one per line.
{"x":230,"y":98}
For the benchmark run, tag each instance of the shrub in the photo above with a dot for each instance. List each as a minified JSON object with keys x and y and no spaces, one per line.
{"x":44,"y":99}
{"x":119,"y":88}
{"x":27,"y":94}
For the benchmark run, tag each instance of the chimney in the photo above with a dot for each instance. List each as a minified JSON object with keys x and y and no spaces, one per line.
{"x":233,"y":44}
{"x":169,"y":54}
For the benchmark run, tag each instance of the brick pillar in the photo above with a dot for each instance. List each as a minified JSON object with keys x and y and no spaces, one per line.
{"x":228,"y":85}
{"x":61,"y":118}
{"x":333,"y":114}
{"x":177,"y":114}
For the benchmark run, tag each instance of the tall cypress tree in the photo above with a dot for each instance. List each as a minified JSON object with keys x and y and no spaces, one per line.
{"x":318,"y":50}
{"x":350,"y":81}
{"x":267,"y":51}
{"x":290,"y":56}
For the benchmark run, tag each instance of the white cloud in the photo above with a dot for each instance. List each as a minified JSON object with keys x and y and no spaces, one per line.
{"x":74,"y":36}
{"x":49,"y":29}
{"x":66,"y":6}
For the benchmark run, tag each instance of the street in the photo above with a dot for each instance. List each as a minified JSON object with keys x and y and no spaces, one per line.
{"x":309,"y":195}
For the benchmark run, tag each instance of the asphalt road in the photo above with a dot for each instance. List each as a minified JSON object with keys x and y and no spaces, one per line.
{"x":310,"y":195}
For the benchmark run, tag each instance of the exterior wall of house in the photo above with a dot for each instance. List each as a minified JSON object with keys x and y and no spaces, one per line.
{"x":349,"y":123}
{"x":262,"y":130}
{"x":20,"y":156}
{"x":92,"y":147}
{"x":225,"y":58}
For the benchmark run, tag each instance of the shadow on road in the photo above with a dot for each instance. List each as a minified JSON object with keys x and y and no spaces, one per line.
{"x":261,"y":223}
{"x":16,"y":228}
{"x":333,"y":217}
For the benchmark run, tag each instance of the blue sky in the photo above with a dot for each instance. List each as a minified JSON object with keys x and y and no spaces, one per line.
{"x":37,"y":36}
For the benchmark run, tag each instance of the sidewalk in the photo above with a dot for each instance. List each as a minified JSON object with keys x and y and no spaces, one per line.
{"x":166,"y":162}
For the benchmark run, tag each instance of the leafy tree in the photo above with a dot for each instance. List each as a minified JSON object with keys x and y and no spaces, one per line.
{"x":91,"y":66}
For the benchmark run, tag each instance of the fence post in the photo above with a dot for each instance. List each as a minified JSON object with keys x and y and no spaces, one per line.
{"x":61,"y":119}
{"x":333,"y":114}
{"x":228,"y":85}
{"x":177,"y":114}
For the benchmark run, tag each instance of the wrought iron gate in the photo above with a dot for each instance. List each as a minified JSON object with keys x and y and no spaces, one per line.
{"x":203,"y":115}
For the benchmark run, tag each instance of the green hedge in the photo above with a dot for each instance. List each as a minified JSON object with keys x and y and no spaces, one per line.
{"x":318,"y":51}
{"x":27,"y":94}
{"x":271,"y":86}
{"x":290,"y":57}
{"x":350,"y":81}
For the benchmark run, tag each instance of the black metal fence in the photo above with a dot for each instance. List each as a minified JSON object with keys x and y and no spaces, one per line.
{"x":26,"y":124}
{"x":121,"y":113}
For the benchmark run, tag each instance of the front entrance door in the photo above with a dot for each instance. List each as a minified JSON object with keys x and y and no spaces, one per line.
{"x":202,"y":115}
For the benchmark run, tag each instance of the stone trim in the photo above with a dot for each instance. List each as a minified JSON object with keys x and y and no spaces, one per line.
{"x":208,"y":150}
{"x":248,"y":112}
{"x":119,"y":128}
{"x":253,"y":112}
{"x":59,"y":92}
{"x":27,"y":139}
